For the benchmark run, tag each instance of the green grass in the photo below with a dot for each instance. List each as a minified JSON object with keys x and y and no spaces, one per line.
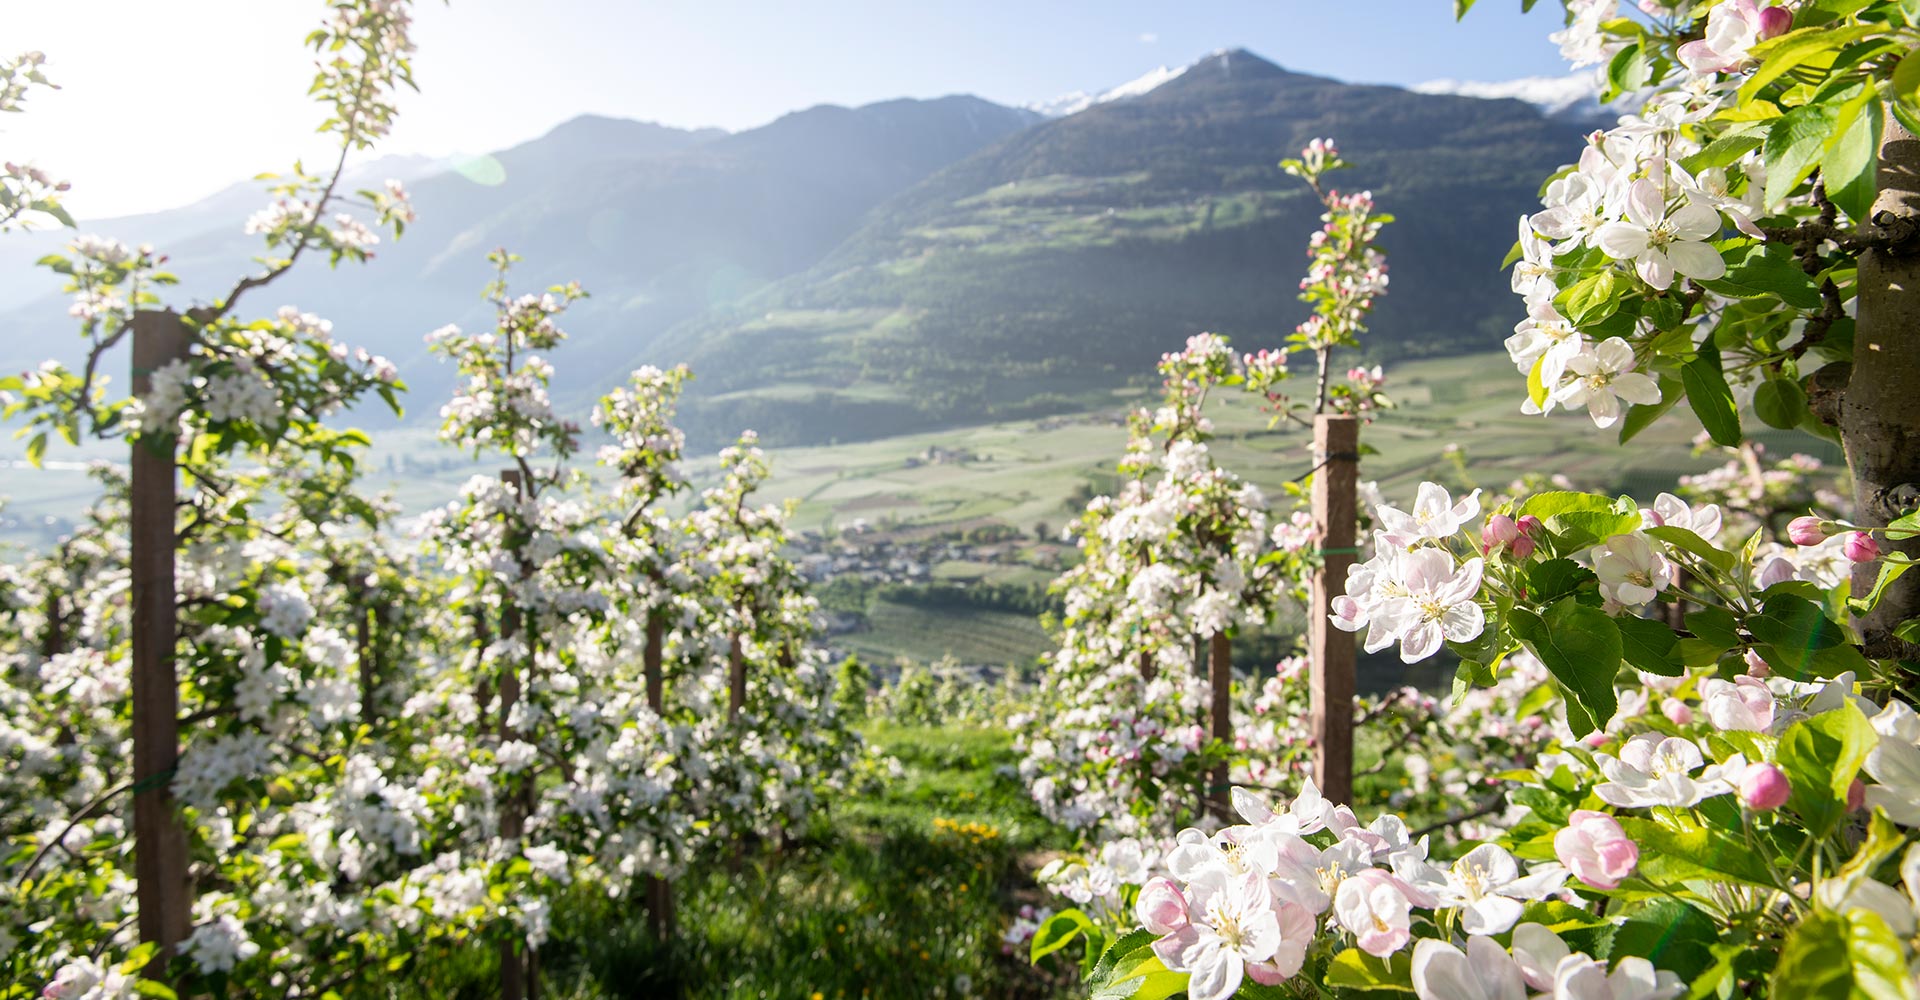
{"x":875,"y":900}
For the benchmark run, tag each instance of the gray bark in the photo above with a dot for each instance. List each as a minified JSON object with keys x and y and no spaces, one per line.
{"x":1880,"y":413}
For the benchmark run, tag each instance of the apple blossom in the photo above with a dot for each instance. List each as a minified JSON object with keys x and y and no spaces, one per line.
{"x":1596,"y":849}
{"x":1745,"y":703}
{"x":1652,"y":770}
{"x":1599,"y":377}
{"x":1663,"y":245}
{"x":1374,"y":906}
{"x":1234,"y":925}
{"x":1631,"y":570}
{"x":1483,"y":972}
{"x":1440,"y":604}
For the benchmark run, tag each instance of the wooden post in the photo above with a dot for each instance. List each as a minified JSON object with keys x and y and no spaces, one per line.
{"x":1336,"y":452}
{"x":164,"y":894}
{"x":1218,"y":801}
{"x":369,"y":667}
{"x":736,"y":679}
{"x":659,"y":891}
{"x":515,"y":980}
{"x":1147,"y":668}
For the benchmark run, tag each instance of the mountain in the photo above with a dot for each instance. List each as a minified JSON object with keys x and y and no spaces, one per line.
{"x":1080,"y":100}
{"x":224,"y":209}
{"x":660,"y":224}
{"x":1054,"y":266}
{"x":1574,"y":98}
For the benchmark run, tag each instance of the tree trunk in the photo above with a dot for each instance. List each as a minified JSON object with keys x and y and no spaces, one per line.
{"x":1880,"y":414}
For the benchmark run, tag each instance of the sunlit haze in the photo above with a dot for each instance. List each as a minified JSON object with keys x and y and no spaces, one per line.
{"x":165,"y":103}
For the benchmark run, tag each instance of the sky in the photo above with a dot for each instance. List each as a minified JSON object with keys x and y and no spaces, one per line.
{"x":166,"y":101}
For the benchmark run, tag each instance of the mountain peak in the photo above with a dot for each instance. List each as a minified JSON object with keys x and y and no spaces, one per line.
{"x":1233,"y":64}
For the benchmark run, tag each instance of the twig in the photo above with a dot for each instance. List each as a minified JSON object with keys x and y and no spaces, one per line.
{"x":1494,"y":804}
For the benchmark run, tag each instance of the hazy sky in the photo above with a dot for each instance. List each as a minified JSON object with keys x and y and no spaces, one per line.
{"x":165,"y":101}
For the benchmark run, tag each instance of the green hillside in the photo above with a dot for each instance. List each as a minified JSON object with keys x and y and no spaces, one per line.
{"x":1054,"y":266}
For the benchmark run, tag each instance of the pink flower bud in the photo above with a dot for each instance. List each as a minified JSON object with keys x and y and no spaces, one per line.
{"x":1806,"y":530}
{"x":1774,"y":21}
{"x":1860,"y":547}
{"x":1499,"y":531}
{"x":1856,"y":796}
{"x":1677,"y":712}
{"x":1757,"y":667}
{"x":1596,"y":849}
{"x":1763,"y":787}
{"x":1161,"y":908}
{"x":1522,"y":547}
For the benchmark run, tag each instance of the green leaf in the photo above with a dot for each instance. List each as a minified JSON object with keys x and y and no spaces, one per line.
{"x":1906,"y":80}
{"x":1627,"y":71}
{"x":1780,"y":402}
{"x":1355,"y":969}
{"x":1553,"y":579}
{"x":1724,"y":151}
{"x":1754,"y":270}
{"x":1800,"y":46}
{"x":1536,"y":389}
{"x":1558,"y":917}
{"x":1711,"y":399}
{"x":1648,"y":645}
{"x":1686,"y":540}
{"x":1640,"y":417}
{"x":1669,"y":856}
{"x":1822,"y":756}
{"x":1156,"y":985}
{"x":1851,"y":165}
{"x":1126,"y":952}
{"x":1799,"y":636}
{"x":1889,"y":572}
{"x":1715,"y":625}
{"x":1591,"y":299}
{"x":1553,"y":502}
{"x":1795,"y":144}
{"x":1581,"y":529}
{"x":1058,"y":932}
{"x":1670,"y":934}
{"x":1830,"y":956}
{"x":1581,"y":647}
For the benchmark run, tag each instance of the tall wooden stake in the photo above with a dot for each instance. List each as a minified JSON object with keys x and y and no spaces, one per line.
{"x":164,"y":894}
{"x":515,"y":966}
{"x":736,"y":679}
{"x":659,"y":890}
{"x":1221,"y":679}
{"x":1336,"y":447}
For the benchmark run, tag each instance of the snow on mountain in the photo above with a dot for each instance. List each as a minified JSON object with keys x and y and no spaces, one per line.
{"x":1080,"y":100}
{"x":1577,"y":95}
